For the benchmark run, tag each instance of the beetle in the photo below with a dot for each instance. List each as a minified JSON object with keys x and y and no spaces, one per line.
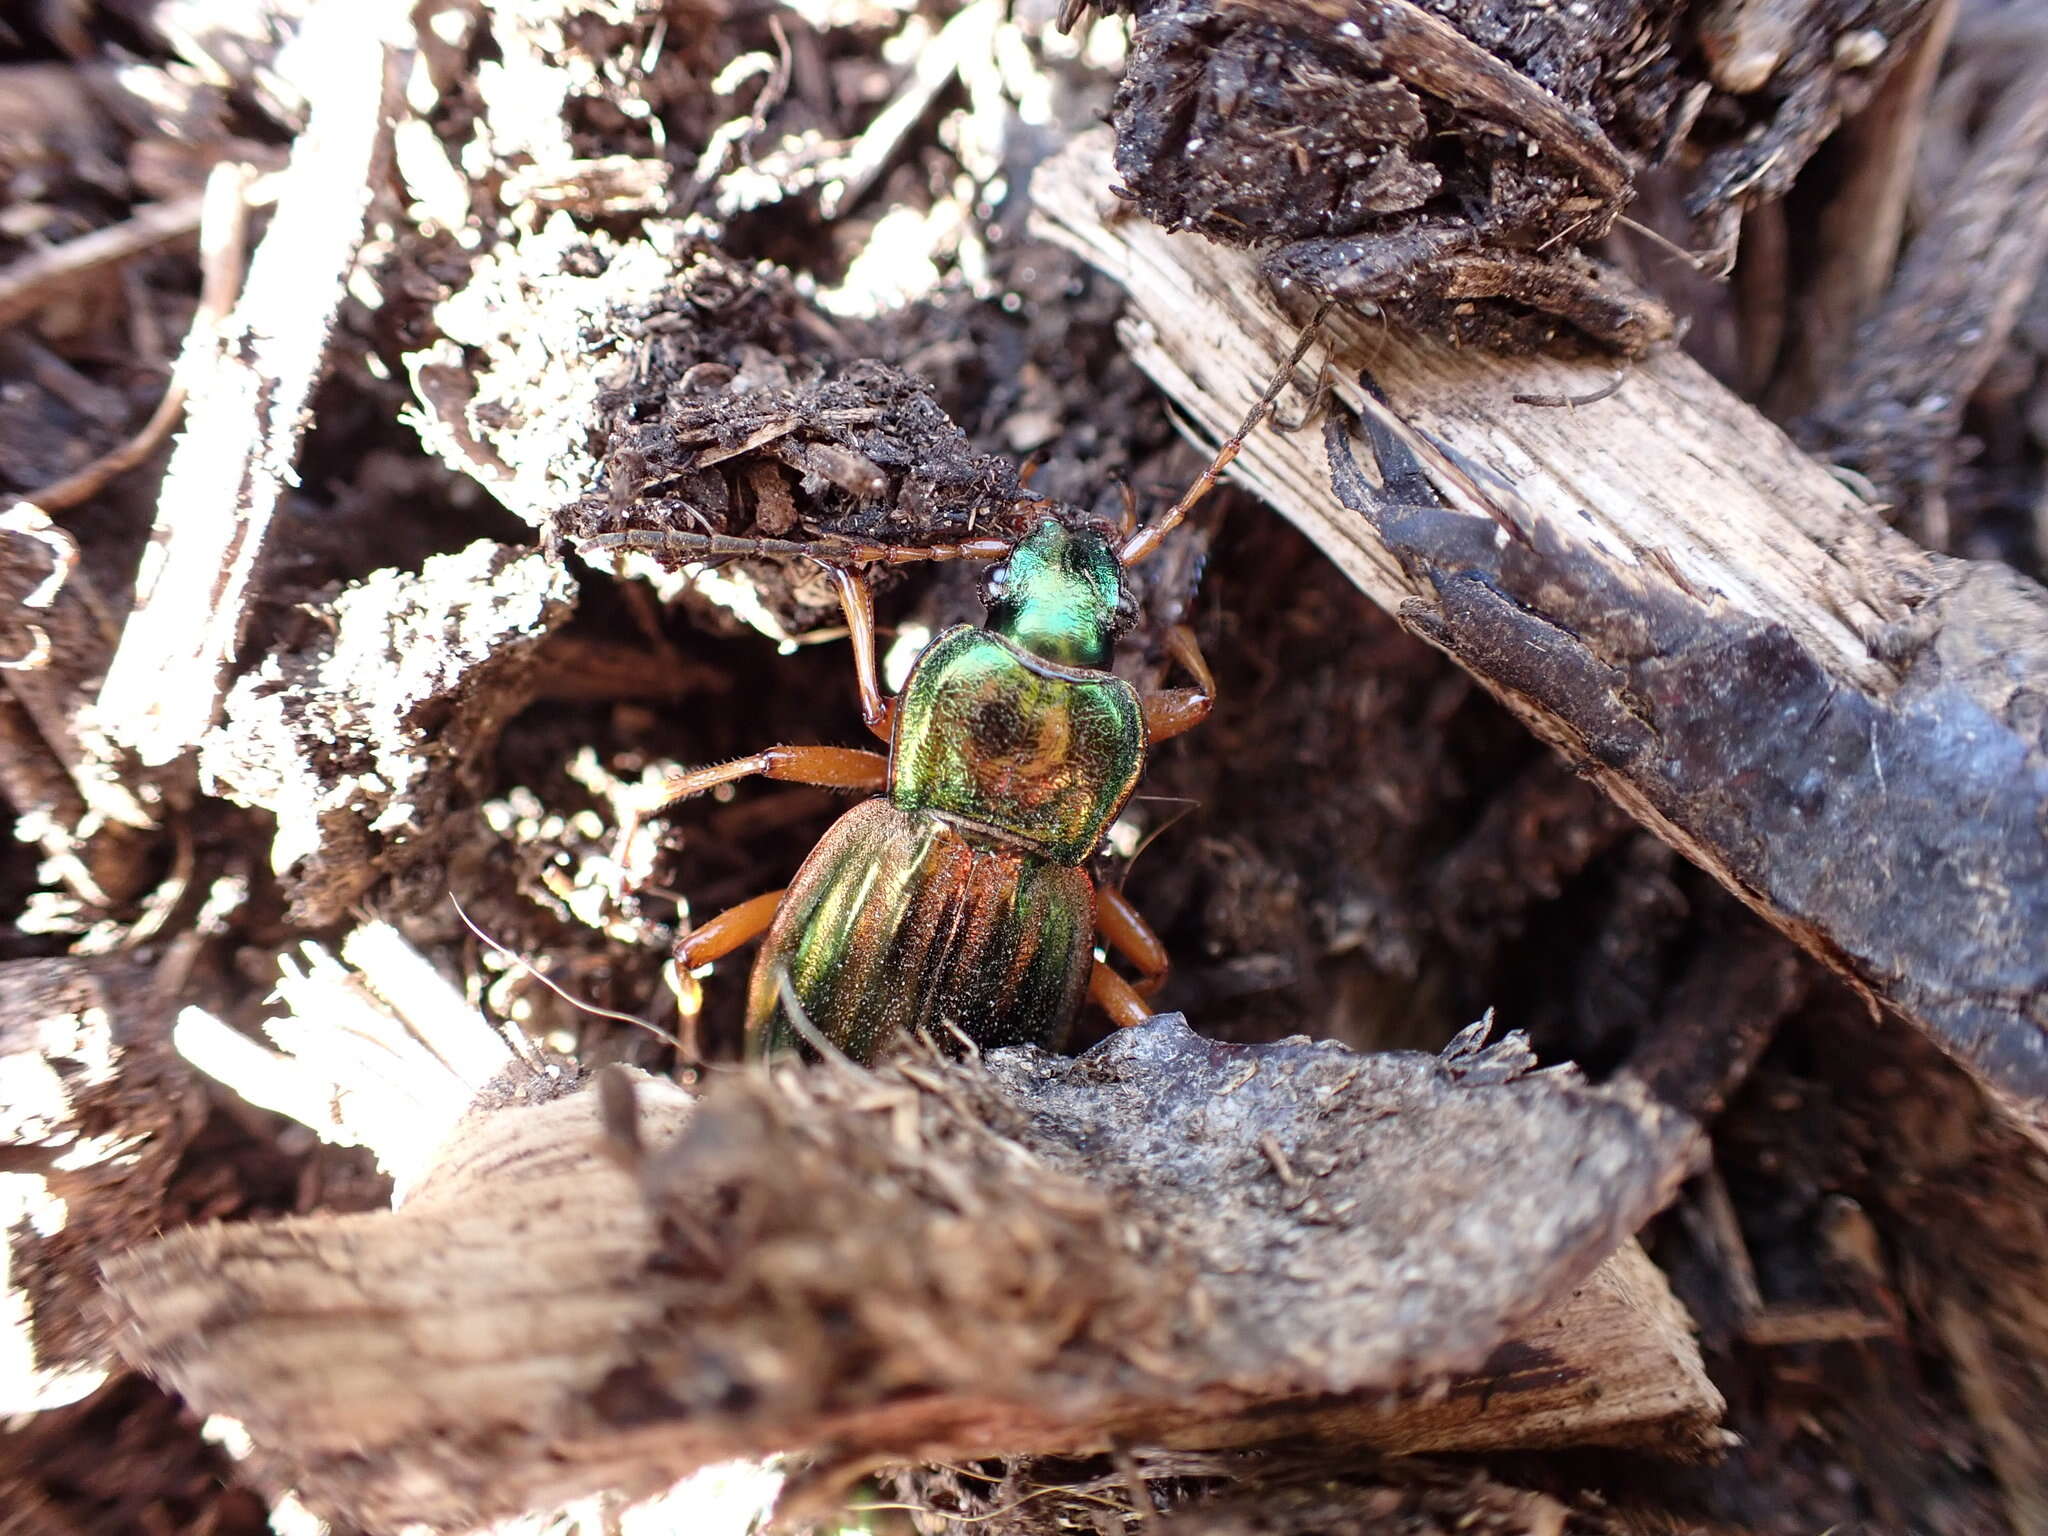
{"x":957,"y":900}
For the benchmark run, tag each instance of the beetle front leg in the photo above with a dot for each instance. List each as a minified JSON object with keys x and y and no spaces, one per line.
{"x":857,"y":602}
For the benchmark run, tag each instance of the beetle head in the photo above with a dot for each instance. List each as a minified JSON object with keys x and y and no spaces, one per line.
{"x":1059,"y":595}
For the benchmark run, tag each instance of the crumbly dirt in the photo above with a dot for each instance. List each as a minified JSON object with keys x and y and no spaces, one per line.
{"x":666,"y":275}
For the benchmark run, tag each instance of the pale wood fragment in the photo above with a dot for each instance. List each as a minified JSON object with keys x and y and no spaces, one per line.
{"x":95,"y":1109}
{"x":34,"y":279}
{"x":249,"y":408}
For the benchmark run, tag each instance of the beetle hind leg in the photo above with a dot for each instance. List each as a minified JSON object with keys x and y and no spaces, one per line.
{"x":1117,"y":998}
{"x":723,"y":934}
{"x":710,"y":941}
{"x":1124,"y":930}
{"x":1121,"y":929}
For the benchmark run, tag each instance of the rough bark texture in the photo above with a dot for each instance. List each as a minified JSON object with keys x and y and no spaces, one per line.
{"x":363,"y":743}
{"x":1448,"y":166}
{"x":1166,"y":1241}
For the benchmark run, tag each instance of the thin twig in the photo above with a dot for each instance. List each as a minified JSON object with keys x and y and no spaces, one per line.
{"x":28,"y":284}
{"x":223,"y":236}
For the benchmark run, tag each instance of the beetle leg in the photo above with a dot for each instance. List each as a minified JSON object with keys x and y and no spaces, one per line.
{"x":1117,"y":997}
{"x":723,"y":934}
{"x":713,"y":941}
{"x":1170,"y":711}
{"x":858,"y":603}
{"x":831,"y":767}
{"x":1124,"y":929}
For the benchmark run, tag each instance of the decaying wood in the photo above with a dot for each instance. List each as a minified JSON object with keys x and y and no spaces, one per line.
{"x":53,"y":765}
{"x":1895,"y":410}
{"x":29,"y":282}
{"x":378,"y":1052}
{"x":1446,"y":171}
{"x":231,"y":190}
{"x":361,"y":741}
{"x":236,"y":460}
{"x":1308,"y":1493}
{"x":95,"y":1108}
{"x":1805,"y":80}
{"x":1145,"y":1244}
{"x":1838,"y":726}
{"x":1165,"y":1241}
{"x":1861,"y":228}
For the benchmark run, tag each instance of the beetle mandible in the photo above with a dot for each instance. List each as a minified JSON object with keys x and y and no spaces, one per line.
{"x":958,"y":899}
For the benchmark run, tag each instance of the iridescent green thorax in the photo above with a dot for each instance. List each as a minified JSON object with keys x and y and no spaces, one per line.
{"x":1059,"y":595}
{"x":1041,"y":755}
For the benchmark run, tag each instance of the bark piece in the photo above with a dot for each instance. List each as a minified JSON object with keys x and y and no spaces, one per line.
{"x":362,"y":743}
{"x":1166,"y":1237}
{"x":31,"y":281}
{"x":731,"y":405}
{"x":55,"y":771}
{"x":95,"y":1108}
{"x":1451,"y":165}
{"x":1803,"y":82}
{"x":1845,"y":733}
{"x":1328,"y":1255}
{"x":1304,"y":1494}
{"x":1861,"y":227}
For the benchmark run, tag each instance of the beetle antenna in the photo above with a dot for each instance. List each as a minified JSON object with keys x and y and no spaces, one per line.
{"x":687,"y":547}
{"x":555,"y":987}
{"x":1146,"y":541}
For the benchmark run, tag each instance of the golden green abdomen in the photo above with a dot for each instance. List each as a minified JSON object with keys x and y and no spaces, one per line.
{"x":899,"y":921}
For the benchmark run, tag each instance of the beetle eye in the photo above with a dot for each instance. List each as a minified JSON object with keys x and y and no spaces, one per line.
{"x":995,"y":581}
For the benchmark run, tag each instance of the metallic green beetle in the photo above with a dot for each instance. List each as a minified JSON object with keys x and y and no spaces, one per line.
{"x":959,"y":897}
{"x":958,"y":901}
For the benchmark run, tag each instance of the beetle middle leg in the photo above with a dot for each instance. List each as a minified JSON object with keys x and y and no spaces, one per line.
{"x":1116,"y":997}
{"x":1171,"y":711}
{"x":827,"y":767}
